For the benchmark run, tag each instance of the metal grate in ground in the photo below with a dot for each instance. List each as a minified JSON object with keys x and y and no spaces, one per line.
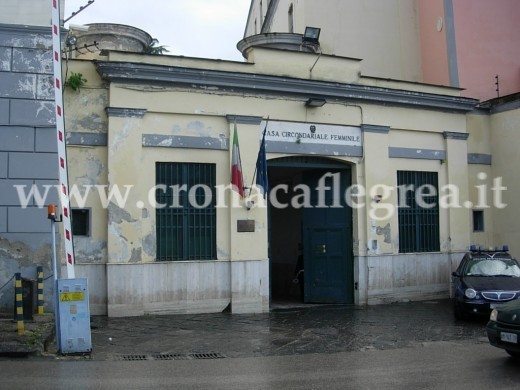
{"x":171,"y":356}
{"x":211,"y":355}
{"x":132,"y":357}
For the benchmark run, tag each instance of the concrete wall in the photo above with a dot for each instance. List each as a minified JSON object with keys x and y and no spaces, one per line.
{"x":506,"y":157}
{"x":384,"y":34}
{"x":481,"y":172}
{"x":481,"y":28}
{"x":168,"y":287}
{"x":408,"y":277}
{"x":27,"y":154}
{"x":31,"y":13}
{"x":433,"y":41}
{"x":433,"y":27}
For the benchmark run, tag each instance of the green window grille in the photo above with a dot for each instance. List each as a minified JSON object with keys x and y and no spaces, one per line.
{"x":186,"y":212}
{"x":418,"y":225}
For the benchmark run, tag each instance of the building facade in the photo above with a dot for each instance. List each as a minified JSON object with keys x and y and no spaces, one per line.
{"x":334,"y":173}
{"x":461,"y":43}
{"x":377,"y":186}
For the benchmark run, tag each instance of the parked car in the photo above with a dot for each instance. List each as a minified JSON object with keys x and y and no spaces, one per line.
{"x":503,"y":328}
{"x":484,"y":280}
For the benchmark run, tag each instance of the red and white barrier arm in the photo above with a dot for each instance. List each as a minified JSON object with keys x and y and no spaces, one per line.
{"x":60,"y":138}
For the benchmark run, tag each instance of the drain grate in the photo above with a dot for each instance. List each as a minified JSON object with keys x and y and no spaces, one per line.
{"x":133,"y":357}
{"x":211,"y":355}
{"x":172,"y":356}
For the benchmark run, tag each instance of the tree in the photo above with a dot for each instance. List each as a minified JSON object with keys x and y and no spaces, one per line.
{"x":153,"y":49}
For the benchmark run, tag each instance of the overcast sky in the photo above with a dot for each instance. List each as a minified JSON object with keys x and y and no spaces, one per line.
{"x":195,"y":28}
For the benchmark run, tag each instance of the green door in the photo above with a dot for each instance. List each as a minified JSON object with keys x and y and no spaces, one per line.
{"x":327,"y":244}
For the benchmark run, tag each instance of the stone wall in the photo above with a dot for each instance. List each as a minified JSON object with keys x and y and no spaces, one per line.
{"x":27,"y":154}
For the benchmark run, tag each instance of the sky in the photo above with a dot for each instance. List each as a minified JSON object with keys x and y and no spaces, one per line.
{"x":193,"y":28}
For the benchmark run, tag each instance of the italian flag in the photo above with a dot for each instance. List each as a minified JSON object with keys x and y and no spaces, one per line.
{"x":237,"y":181}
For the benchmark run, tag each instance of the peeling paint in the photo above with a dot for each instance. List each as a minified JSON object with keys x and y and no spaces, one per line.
{"x":223,"y":141}
{"x":150,"y":245}
{"x":222,"y":254}
{"x":386,"y":232}
{"x":196,"y":125}
{"x":120,"y":137}
{"x":136,"y":255}
{"x":88,"y":250}
{"x":93,"y":169}
{"x":27,"y":85}
{"x":119,"y":246}
{"x":16,"y":256}
{"x":166,"y":142}
{"x":45,"y":107}
{"x":23,"y":253}
{"x":92,"y":122}
{"x":116,"y":215}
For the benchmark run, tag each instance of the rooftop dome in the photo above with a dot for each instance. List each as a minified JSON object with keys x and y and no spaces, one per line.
{"x":284,"y":41}
{"x":109,"y":36}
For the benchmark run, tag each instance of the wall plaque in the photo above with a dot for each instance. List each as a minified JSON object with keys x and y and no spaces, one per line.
{"x":245,"y":225}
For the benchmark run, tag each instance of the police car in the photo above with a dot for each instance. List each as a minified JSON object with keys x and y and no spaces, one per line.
{"x":485,"y":278}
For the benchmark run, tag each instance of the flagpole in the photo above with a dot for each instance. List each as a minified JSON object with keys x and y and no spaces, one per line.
{"x":263,"y":136}
{"x":237,"y":177}
{"x":240,"y":159}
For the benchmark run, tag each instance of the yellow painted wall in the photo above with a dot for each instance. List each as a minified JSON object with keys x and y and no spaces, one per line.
{"x":384,"y":34}
{"x":172,"y":111}
{"x":506,"y":159}
{"x":129,"y":232}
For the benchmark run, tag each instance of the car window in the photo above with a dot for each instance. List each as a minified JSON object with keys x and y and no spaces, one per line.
{"x":462,"y":264}
{"x":493,"y":267}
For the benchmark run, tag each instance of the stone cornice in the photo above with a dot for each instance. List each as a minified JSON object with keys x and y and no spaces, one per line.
{"x":455,"y":135}
{"x":244,"y":119}
{"x":125,"y":112}
{"x":366,"y":128}
{"x":138,"y":73}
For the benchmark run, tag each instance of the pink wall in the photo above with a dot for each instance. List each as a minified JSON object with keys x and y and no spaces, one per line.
{"x":488,"y":43}
{"x":433,"y":43}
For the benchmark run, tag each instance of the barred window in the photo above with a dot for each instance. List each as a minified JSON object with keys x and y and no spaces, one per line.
{"x":418,"y":211}
{"x":185,"y":213}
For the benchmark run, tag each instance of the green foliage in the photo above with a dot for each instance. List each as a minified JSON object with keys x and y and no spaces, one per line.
{"x":152,"y":49}
{"x":75,"y":81}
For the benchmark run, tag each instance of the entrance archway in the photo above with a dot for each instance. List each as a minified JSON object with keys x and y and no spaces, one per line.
{"x":310,"y":228}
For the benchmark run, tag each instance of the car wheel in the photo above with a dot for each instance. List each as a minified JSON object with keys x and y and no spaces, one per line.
{"x":460,"y":313}
{"x":514,"y":354}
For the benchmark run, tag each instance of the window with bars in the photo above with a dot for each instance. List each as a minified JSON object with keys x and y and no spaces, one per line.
{"x":418,"y":211}
{"x":185,"y":213}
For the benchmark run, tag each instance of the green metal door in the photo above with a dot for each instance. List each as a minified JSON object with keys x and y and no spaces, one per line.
{"x":327,"y":244}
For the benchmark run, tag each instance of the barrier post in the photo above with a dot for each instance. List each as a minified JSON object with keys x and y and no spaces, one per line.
{"x":19,"y":303}
{"x":39,"y":270}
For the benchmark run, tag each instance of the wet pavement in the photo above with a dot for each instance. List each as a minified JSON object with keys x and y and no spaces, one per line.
{"x":37,"y":334}
{"x":283,"y":331}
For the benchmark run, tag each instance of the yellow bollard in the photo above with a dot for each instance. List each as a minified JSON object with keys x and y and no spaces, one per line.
{"x":19,"y":303}
{"x":39,"y":270}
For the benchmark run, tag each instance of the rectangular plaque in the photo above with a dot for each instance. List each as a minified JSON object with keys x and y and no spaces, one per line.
{"x":245,"y":225}
{"x":72,"y":296}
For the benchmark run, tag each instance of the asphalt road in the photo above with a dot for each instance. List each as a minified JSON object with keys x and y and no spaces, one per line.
{"x":436,"y":365}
